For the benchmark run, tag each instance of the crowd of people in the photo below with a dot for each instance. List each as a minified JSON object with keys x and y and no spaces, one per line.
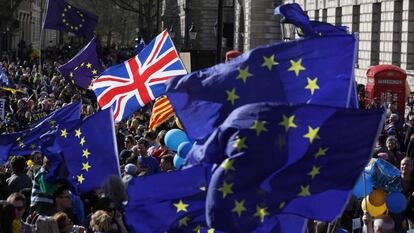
{"x":29,"y":203}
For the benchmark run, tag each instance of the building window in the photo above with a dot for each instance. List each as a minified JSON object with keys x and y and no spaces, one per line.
{"x":325,"y":15}
{"x":338,"y":16}
{"x":228,"y":3}
{"x":375,"y":33}
{"x":316,"y":15}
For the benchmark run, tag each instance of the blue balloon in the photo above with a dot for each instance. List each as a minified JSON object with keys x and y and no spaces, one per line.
{"x":174,"y":137}
{"x":341,"y":230}
{"x":396,"y":202}
{"x":183,"y":149}
{"x":178,"y":161}
{"x":359,"y":187}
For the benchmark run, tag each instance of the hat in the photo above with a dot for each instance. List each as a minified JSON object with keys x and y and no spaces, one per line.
{"x":232,"y":54}
{"x":131,"y":169}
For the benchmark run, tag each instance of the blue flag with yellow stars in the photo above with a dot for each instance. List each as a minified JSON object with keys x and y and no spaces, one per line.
{"x":168,"y":202}
{"x":311,"y":70}
{"x":26,"y":141}
{"x":83,"y":67}
{"x":292,"y":13}
{"x":88,"y":151}
{"x":62,"y":16}
{"x":272,"y":160}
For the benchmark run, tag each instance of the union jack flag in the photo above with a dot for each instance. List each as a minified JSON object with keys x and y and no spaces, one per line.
{"x":129,"y":86}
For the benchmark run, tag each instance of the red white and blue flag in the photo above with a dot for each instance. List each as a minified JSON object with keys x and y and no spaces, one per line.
{"x":129,"y":86}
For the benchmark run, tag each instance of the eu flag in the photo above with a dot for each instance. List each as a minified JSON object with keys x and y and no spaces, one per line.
{"x":316,"y":69}
{"x":87,"y":151}
{"x":27,"y":141}
{"x":168,"y":202}
{"x":273,"y":160}
{"x":63,"y":16}
{"x":82,"y":68}
{"x":292,"y":13}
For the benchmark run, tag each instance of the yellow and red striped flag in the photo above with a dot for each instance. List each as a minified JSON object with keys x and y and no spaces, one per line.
{"x":161,"y":112}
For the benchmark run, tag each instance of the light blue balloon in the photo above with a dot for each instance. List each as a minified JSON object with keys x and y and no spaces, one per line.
{"x":396,"y":202}
{"x":359,"y":187}
{"x":174,"y":137}
{"x":178,"y":161}
{"x":341,"y":230}
{"x":183,"y":149}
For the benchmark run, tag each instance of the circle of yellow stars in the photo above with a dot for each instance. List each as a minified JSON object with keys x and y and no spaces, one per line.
{"x":287,"y":122}
{"x":88,"y":67}
{"x":66,"y":21}
{"x":269,"y":62}
{"x":85,"y":152}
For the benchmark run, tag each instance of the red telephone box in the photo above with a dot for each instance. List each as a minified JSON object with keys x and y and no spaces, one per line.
{"x":387,"y":83}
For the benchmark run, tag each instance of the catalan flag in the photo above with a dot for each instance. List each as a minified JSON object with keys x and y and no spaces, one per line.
{"x":161,"y":112}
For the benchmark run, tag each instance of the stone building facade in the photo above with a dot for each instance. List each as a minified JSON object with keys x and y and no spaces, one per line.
{"x":385,"y":28}
{"x":28,"y":27}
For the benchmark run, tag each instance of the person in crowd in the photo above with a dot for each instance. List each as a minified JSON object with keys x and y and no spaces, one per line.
{"x":19,"y":179}
{"x":161,"y":149}
{"x":130,"y":172}
{"x":167,"y":163}
{"x":151,"y":139}
{"x":66,"y":225}
{"x":381,"y":224}
{"x":109,"y":207}
{"x":18,"y":200}
{"x":37,"y":162}
{"x":7,"y":216}
{"x":126,"y":153}
{"x":114,"y":189}
{"x":42,"y":191}
{"x":393,"y":146}
{"x":101,"y":222}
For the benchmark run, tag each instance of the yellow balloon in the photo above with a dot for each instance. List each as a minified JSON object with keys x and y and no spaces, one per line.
{"x":178,"y":123}
{"x":375,"y":211}
{"x":377,"y":197}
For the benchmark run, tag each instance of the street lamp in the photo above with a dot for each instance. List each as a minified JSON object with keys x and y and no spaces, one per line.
{"x":171,"y":32}
{"x":193,"y":32}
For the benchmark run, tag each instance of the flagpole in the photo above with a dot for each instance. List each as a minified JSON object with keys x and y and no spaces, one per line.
{"x":41,"y":36}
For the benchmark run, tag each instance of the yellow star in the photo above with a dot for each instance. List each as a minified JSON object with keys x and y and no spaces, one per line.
{"x":244,"y":74}
{"x":80,"y":178}
{"x":77,"y":67}
{"x":296,"y":66}
{"x":240,"y":143}
{"x":239,"y":207}
{"x":261,"y":213}
{"x":259,"y":126}
{"x":315,"y":171}
{"x":312,"y":134}
{"x":94,"y":72}
{"x":21,"y":144}
{"x":71,"y":75}
{"x":33,"y":146}
{"x":184,"y":221}
{"x":86,"y":153}
{"x":304,"y":191}
{"x":232,"y":96}
{"x":203,"y":188}
{"x":226,"y":189}
{"x":281,"y":205}
{"x":82,"y":64}
{"x":321,"y":152}
{"x":211,"y":230}
{"x":86,"y":166}
{"x":269,"y":62}
{"x":312,"y":85}
{"x":228,"y":165}
{"x":181,"y":206}
{"x":18,"y":139}
{"x":82,"y":141}
{"x":197,"y":229}
{"x":64,"y":133}
{"x":89,"y":65}
{"x":78,"y":133}
{"x":288,"y":122}
{"x":63,"y":14}
{"x":281,"y":141}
